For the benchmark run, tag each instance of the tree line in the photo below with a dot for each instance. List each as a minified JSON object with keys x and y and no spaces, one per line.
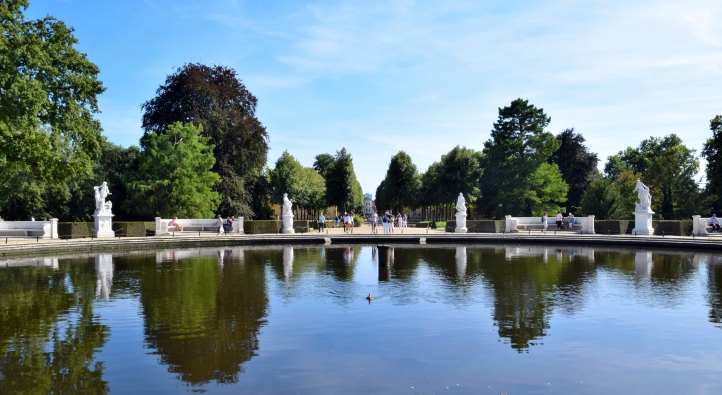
{"x":523,"y":169}
{"x":204,"y":152}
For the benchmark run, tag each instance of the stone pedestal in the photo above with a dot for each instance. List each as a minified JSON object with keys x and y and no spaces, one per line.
{"x":643,"y":223}
{"x":287,"y":224}
{"x":460,"y":223}
{"x":103,"y":225}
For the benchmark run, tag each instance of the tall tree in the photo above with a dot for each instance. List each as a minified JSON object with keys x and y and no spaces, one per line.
{"x":304,"y":185}
{"x":400,"y":188}
{"x":578,"y":166}
{"x":323,"y":164}
{"x":216,"y":99}
{"x":519,"y":144}
{"x":547,"y":190}
{"x":177,"y":179}
{"x":48,"y":100}
{"x":603,"y":199}
{"x":712,"y":153}
{"x":342,"y":188}
{"x":668,"y":167}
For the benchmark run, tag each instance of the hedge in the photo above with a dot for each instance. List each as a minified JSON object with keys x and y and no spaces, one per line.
{"x":75,"y":230}
{"x":613,"y":226}
{"x":673,"y":228}
{"x":274,"y":226}
{"x":133,"y":228}
{"x":479,"y":226}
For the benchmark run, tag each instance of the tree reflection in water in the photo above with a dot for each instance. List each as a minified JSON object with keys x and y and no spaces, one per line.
{"x":48,"y":332}
{"x":202,"y":317}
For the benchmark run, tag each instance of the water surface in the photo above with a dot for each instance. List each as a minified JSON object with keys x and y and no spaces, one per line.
{"x":443,"y":319}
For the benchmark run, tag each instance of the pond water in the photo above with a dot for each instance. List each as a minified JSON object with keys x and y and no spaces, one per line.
{"x":442,"y":319}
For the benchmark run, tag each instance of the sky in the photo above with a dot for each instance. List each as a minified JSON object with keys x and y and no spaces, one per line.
{"x":419,"y":76}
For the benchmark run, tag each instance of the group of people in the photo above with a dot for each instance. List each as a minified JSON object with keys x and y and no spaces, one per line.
{"x":389,"y":222}
{"x":561,"y":221}
{"x":714,"y":223}
{"x":346,"y":219}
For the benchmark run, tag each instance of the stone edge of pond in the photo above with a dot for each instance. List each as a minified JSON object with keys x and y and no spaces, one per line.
{"x":143,"y":243}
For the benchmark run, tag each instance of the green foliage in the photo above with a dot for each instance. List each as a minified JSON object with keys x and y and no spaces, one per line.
{"x":712,"y":153}
{"x":323,"y":164}
{"x":176,"y":177}
{"x":547,"y":190}
{"x":577,"y":165}
{"x":342,"y":188}
{"x":216,"y":99}
{"x":401,"y":186}
{"x":668,"y":167}
{"x":518,"y":146}
{"x":48,"y":133}
{"x":459,"y":170}
{"x":603,"y":199}
{"x":305,"y":186}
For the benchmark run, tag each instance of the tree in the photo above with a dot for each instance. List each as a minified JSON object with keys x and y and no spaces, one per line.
{"x":518,"y":146}
{"x":401,"y":186}
{"x":712,"y":153}
{"x":548,"y":191}
{"x":323,"y":164}
{"x":342,"y":188}
{"x":603,"y":199}
{"x":48,"y":133}
{"x":578,"y":166}
{"x":177,"y":179}
{"x":668,"y":167}
{"x":305,"y":186}
{"x":214,"y":98}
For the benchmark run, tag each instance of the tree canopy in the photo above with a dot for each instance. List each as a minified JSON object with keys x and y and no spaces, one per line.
{"x":304,"y":185}
{"x":342,"y":188}
{"x":48,"y":132}
{"x":518,"y":145}
{"x":577,"y":165}
{"x":176,"y":176}
{"x":712,"y":152}
{"x":216,"y":99}
{"x":400,"y":188}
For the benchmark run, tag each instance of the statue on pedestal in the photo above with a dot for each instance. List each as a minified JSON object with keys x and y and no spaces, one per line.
{"x":643,"y":211}
{"x":286,"y":215}
{"x":103,"y":214}
{"x":460,"y":214}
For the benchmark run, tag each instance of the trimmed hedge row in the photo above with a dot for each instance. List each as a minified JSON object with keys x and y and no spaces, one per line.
{"x":274,"y":226}
{"x":479,"y":226}
{"x":77,"y":230}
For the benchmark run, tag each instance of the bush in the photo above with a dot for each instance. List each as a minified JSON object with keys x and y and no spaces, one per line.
{"x":673,"y":228}
{"x":479,"y":226}
{"x":75,"y":230}
{"x":358,"y":220}
{"x":613,"y":226}
{"x":131,"y":229}
{"x":261,"y":226}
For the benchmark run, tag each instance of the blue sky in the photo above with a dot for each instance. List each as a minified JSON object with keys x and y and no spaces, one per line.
{"x":378,"y":77}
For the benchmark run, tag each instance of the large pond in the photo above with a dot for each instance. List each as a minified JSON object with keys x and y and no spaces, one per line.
{"x":442,"y":319}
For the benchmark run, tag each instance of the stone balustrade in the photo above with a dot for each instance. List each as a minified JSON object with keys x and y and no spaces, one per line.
{"x":163,"y":227}
{"x":43,"y":229}
{"x":515,"y":224}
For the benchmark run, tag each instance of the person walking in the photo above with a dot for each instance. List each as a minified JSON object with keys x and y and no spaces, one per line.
{"x":714,"y":222}
{"x":321,"y":223}
{"x":559,"y":220}
{"x":374,"y":221}
{"x":545,"y":221}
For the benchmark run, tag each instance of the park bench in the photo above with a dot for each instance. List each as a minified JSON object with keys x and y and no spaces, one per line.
{"x":579,"y":224}
{"x":163,"y":226}
{"x":41,"y":229}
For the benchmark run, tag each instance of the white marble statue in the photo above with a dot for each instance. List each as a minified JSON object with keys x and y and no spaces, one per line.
{"x":103,"y":214}
{"x":643,"y":211}
{"x":287,"y":215}
{"x":101,"y":194}
{"x":460,"y":214}
{"x":644,"y":203}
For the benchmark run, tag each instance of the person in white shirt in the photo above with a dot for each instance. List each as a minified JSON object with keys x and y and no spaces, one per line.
{"x":559,"y":220}
{"x":374,"y":221}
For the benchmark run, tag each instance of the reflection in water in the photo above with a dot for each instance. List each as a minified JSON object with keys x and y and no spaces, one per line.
{"x":203,"y":319}
{"x":104,"y":275}
{"x":43,"y":348}
{"x":204,"y":310}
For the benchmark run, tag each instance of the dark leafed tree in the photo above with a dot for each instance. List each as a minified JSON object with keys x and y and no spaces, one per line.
{"x":49,"y":137}
{"x":577,"y":165}
{"x":214,"y":98}
{"x":323,"y":164}
{"x":712,"y":152}
{"x":342,"y":187}
{"x":400,"y":188}
{"x":518,"y":146}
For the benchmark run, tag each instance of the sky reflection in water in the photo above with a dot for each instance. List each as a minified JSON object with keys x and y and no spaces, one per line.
{"x":486,"y":319}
